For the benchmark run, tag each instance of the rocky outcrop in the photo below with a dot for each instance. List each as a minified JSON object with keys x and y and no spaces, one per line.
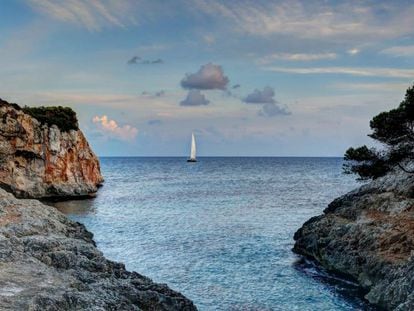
{"x":39,"y":160}
{"x":48,"y":262}
{"x":368,"y":235}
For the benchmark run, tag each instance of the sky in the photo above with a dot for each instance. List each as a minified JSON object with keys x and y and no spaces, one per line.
{"x":249,"y":78}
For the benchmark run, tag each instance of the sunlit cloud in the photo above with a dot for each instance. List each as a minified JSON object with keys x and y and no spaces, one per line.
{"x":113,"y":130}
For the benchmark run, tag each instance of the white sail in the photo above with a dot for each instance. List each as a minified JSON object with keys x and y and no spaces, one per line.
{"x":193,"y":148}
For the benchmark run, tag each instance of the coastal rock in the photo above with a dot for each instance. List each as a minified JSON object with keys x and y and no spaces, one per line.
{"x":48,"y":262}
{"x":40,"y":161}
{"x":368,"y":235}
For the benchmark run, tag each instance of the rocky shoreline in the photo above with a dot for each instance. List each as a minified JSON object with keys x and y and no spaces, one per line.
{"x":368,"y":236}
{"x":48,"y":262}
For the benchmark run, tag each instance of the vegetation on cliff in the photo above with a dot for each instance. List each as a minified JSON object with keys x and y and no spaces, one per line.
{"x":394,"y":129}
{"x":63,"y":117}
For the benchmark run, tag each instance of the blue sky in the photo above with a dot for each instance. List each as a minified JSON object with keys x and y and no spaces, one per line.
{"x":271,"y":78}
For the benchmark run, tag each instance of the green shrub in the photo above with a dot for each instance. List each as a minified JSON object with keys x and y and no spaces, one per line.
{"x":394,"y":129}
{"x":63,"y":117}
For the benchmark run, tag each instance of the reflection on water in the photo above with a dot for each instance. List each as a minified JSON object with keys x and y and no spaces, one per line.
{"x":219,"y":230}
{"x":75,"y":207}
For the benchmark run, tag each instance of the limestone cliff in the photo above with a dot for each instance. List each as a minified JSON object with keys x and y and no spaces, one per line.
{"x":368,"y":235}
{"x":39,"y":160}
{"x":48,"y":262}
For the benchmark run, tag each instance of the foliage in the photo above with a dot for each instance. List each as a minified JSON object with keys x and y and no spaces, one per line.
{"x":394,"y":129}
{"x":64,"y":117}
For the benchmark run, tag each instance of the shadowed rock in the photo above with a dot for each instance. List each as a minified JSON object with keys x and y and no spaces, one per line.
{"x":368,"y":235}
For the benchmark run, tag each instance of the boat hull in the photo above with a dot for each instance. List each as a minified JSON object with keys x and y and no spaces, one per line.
{"x":191,"y":160}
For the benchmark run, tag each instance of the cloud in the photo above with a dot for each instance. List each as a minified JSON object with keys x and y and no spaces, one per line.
{"x":266,"y":96}
{"x":154,"y":122}
{"x":160,"y":93}
{"x":377,"y":87}
{"x":331,"y":20}
{"x":91,"y":14}
{"x":296,"y":57}
{"x":209,"y":39}
{"x":111,"y":128}
{"x":353,"y":51}
{"x":194,"y":98}
{"x":136,"y":60}
{"x":274,"y":109}
{"x":355,"y":71}
{"x":270,"y":107}
{"x":400,"y":51}
{"x":208,"y":77}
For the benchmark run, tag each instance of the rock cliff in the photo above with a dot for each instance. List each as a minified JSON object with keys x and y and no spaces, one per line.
{"x":368,"y":235}
{"x":48,"y":262}
{"x":39,"y":159}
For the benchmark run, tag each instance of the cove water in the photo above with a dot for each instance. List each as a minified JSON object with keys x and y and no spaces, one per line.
{"x":220,"y":231}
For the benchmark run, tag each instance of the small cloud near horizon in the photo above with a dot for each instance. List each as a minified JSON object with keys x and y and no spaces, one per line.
{"x":270,"y":106}
{"x":112,"y":129}
{"x":264,"y":96}
{"x":154,"y":122}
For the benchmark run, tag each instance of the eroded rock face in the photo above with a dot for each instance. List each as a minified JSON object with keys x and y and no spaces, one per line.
{"x":38,"y":161}
{"x":368,"y":235}
{"x":48,"y":262}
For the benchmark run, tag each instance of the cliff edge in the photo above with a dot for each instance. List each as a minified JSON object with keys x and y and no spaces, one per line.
{"x":368,"y":235}
{"x":48,"y":262}
{"x":45,"y":155}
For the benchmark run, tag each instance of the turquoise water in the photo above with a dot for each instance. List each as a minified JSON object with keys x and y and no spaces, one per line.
{"x":219,"y":230}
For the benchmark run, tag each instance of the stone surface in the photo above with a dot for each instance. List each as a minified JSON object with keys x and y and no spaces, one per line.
{"x":368,"y":235}
{"x":38,"y":161}
{"x":48,"y":262}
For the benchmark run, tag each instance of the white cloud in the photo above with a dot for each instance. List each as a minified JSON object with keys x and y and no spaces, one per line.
{"x":355,"y":71}
{"x":92,"y":14}
{"x":111,"y":127}
{"x":400,"y":51}
{"x":296,"y":57}
{"x":304,"y":19}
{"x":353,"y":51}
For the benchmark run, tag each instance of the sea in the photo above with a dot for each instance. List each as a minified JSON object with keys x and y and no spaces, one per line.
{"x":220,"y":231}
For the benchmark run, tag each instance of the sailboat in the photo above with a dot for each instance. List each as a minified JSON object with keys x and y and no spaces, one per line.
{"x":193,"y":149}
